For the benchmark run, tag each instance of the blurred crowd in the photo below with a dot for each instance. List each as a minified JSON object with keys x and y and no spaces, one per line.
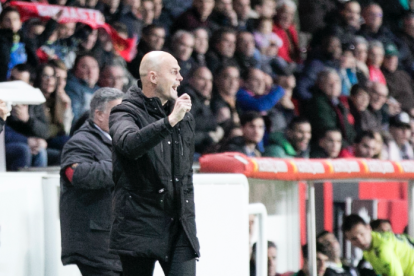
{"x":279,"y":78}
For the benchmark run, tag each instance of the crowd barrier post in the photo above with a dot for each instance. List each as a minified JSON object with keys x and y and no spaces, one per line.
{"x":261,"y":250}
{"x":311,"y":228}
{"x":411,"y":208}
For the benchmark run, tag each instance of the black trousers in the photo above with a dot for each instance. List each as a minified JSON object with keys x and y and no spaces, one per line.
{"x":87,"y":270}
{"x":183,"y":262}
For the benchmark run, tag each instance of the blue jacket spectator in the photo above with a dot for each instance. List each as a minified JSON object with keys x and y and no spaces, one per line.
{"x":82,"y":84}
{"x":253,"y":97}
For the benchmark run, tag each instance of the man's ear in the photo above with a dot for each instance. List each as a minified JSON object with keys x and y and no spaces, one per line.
{"x":98,"y":115}
{"x":153,"y":77}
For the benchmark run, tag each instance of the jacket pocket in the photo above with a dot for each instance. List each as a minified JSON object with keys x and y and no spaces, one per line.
{"x":144,"y":214}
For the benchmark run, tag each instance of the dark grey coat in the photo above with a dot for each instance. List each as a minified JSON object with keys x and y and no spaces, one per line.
{"x":152,"y":161}
{"x":85,"y":204}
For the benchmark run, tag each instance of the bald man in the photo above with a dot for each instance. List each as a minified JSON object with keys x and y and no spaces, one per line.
{"x":153,"y":146}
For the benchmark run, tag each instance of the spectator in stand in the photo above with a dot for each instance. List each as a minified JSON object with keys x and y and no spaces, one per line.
{"x":358,"y":103}
{"x":381,"y":225}
{"x":22,"y":72}
{"x":182,"y":44}
{"x":253,"y":94}
{"x":199,"y":87}
{"x":25,"y":135}
{"x":345,"y":25}
{"x":365,"y":145}
{"x":82,"y":84}
{"x":201,"y":36}
{"x":253,"y":128}
{"x":293,"y":143}
{"x":4,"y":111}
{"x":245,"y":52}
{"x":380,"y":149}
{"x":129,"y":17}
{"x":222,"y":48}
{"x":387,"y":254}
{"x":378,"y":95}
{"x":373,"y":29}
{"x":329,"y":56}
{"x":86,"y":191}
{"x":223,"y":14}
{"x":112,"y":75}
{"x":399,"y":147}
{"x":285,"y":29}
{"x":263,"y":35}
{"x":375,"y":59}
{"x":321,"y":260}
{"x":329,"y":145}
{"x":326,"y":111}
{"x":153,"y":38}
{"x":361,"y":55}
{"x":87,"y":44}
{"x":223,"y":103}
{"x":110,"y":9}
{"x":243,"y":11}
{"x":284,"y":111}
{"x":399,"y":82}
{"x":54,"y":109}
{"x":196,"y":16}
{"x":263,"y":8}
{"x":147,"y":11}
{"x":65,"y":114}
{"x":103,"y":51}
{"x":334,"y":265}
{"x":15,"y":47}
{"x":348,"y":70}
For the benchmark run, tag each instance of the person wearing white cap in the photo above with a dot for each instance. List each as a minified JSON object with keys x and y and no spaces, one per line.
{"x":399,"y":148}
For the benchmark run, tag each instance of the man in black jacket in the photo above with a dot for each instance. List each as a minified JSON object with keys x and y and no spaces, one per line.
{"x":3,"y":114}
{"x":153,"y":204}
{"x":86,"y":187}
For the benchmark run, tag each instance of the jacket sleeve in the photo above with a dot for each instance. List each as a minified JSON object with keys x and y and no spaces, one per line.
{"x":11,"y":136}
{"x":90,"y":173}
{"x":248,"y":102}
{"x":307,"y":80}
{"x":132,"y":141}
{"x":36,"y":125}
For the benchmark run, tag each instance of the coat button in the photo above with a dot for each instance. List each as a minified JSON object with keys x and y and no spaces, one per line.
{"x":130,"y":196}
{"x":176,"y":142}
{"x":172,"y":219}
{"x":161,"y":191}
{"x":169,"y":142}
{"x":176,"y":179}
{"x":161,"y":201}
{"x":186,"y":201}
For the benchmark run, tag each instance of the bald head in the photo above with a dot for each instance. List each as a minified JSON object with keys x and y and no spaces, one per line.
{"x":160,"y":75}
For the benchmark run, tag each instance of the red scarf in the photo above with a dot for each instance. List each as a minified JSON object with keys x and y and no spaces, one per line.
{"x":90,"y":17}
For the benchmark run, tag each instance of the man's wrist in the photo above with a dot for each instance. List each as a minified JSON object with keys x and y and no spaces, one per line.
{"x":172,"y":121}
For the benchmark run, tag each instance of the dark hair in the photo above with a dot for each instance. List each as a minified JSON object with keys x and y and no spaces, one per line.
{"x":297,"y":121}
{"x":218,"y":35}
{"x":322,"y":234}
{"x":366,"y":133}
{"x":38,"y":80}
{"x":320,"y":248}
{"x":80,"y":57}
{"x":58,"y":64}
{"x":325,"y":132}
{"x":246,"y":73}
{"x":376,"y":223}
{"x":148,"y":29}
{"x":356,"y":88}
{"x":249,"y":116}
{"x":24,"y":67}
{"x":120,"y":27}
{"x":219,"y":71}
{"x":6,"y":11}
{"x":351,"y":221}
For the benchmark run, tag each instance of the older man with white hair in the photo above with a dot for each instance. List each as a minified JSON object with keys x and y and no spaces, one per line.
{"x":153,"y":148}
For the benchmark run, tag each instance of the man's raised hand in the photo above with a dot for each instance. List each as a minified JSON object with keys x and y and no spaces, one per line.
{"x":182,"y":105}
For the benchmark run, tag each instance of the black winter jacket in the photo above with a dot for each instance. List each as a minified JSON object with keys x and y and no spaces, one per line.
{"x":85,"y":204}
{"x":152,"y":164}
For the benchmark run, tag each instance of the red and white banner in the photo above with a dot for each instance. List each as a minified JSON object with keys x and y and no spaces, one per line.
{"x":90,"y":17}
{"x":306,"y":169}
